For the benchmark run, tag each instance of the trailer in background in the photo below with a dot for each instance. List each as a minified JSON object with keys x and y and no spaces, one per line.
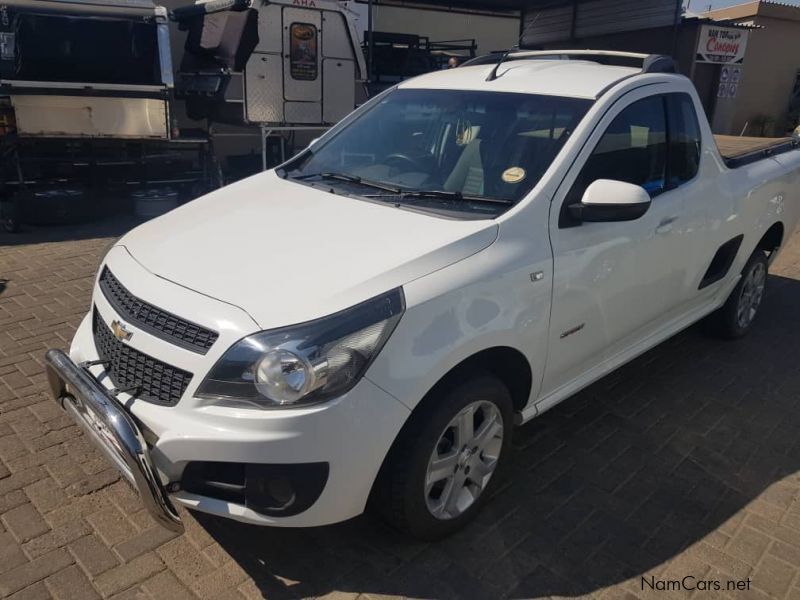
{"x":282,"y":65}
{"x":88,"y":100}
{"x":86,"y":95}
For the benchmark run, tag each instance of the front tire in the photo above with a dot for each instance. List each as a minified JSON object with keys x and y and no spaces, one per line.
{"x":443,"y":467}
{"x":737,"y":315}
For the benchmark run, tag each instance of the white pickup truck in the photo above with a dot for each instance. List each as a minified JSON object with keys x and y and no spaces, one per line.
{"x":366,"y":324}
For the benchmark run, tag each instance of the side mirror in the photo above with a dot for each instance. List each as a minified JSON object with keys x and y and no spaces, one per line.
{"x":608,"y":200}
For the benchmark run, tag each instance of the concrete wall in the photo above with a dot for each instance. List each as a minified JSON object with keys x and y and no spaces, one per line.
{"x":769,"y":71}
{"x":771,"y":63}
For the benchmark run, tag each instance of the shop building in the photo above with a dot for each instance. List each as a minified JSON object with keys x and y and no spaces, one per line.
{"x":768,"y":99}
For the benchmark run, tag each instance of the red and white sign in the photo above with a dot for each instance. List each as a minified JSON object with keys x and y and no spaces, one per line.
{"x":721,"y":45}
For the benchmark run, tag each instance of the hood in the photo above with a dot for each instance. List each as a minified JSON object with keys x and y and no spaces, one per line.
{"x":287,"y":253}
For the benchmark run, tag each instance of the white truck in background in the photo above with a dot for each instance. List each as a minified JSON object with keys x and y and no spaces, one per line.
{"x":279,"y":64}
{"x":367,"y":323}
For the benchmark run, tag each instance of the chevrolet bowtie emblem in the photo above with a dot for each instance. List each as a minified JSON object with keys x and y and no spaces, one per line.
{"x":121,"y":331}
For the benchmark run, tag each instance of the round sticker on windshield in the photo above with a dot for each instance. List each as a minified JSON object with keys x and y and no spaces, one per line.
{"x":514,"y":175}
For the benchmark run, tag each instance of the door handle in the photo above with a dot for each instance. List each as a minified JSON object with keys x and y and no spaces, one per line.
{"x":665,"y":226}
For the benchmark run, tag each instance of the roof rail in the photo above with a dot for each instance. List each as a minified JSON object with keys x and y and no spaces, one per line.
{"x":650,"y":63}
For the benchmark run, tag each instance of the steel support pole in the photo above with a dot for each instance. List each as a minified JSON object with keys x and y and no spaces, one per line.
{"x":371,"y":43}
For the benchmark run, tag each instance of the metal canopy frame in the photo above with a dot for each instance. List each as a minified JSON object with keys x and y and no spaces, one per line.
{"x":91,"y":8}
{"x":484,"y":5}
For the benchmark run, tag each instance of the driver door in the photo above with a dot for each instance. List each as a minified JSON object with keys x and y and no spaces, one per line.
{"x":614,"y":283}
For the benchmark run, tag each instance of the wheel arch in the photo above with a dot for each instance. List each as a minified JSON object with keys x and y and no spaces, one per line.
{"x":506,"y":363}
{"x":772,"y":239}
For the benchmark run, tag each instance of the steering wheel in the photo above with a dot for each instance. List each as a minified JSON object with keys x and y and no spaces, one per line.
{"x":399,"y":159}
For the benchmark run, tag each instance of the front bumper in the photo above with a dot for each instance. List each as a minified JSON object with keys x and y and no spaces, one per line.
{"x":112,"y":430}
{"x":352,"y":434}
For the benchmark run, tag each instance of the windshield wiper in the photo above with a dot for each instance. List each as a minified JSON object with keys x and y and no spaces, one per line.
{"x":446,"y":195}
{"x":350,"y":179}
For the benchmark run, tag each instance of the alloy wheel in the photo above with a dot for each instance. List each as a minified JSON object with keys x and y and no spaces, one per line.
{"x":751,"y":295}
{"x":464,"y":459}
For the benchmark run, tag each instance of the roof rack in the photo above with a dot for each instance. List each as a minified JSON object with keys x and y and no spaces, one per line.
{"x":650,"y":63}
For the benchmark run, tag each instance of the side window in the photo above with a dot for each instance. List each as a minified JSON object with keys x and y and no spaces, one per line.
{"x":633,"y":149}
{"x":684,"y":139}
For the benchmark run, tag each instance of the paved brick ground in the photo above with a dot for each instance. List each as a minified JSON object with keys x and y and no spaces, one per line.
{"x":682,"y":463}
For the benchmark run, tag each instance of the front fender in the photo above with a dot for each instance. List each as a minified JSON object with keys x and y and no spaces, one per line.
{"x":485,"y":301}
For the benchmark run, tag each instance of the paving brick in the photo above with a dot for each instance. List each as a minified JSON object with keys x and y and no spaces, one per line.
{"x":11,"y":500}
{"x":134,"y":593}
{"x":17,"y":481}
{"x":787,"y":553}
{"x":124,"y":576}
{"x":58,"y":537}
{"x":166,"y":585}
{"x":36,"y":570}
{"x":25,"y":522}
{"x":111,"y":525}
{"x":220,"y":582}
{"x":46,"y":495}
{"x":29,"y":367}
{"x":92,"y":555}
{"x":93,"y":483}
{"x":748,"y":545}
{"x":70,"y":584}
{"x":47,"y":411}
{"x":773,"y":576}
{"x":142,"y":542}
{"x":37,"y":591}
{"x":141,"y":519}
{"x":184,"y":560}
{"x":11,"y":554}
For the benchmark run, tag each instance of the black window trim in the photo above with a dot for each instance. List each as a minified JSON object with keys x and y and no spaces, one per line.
{"x":676,"y":96}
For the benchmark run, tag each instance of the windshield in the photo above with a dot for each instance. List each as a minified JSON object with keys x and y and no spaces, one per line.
{"x":462,"y":151}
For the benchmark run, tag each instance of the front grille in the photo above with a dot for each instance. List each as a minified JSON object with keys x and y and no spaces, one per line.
{"x":142,"y":375}
{"x":155,"y":321}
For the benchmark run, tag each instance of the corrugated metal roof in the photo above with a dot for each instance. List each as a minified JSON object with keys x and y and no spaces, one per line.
{"x":594,"y":17}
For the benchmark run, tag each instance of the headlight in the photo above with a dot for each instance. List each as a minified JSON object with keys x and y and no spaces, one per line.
{"x":306,"y":363}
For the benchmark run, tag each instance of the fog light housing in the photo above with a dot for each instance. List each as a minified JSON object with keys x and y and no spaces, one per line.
{"x":276,"y":490}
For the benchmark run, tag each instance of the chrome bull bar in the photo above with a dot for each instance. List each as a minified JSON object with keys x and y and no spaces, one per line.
{"x":112,"y":429}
